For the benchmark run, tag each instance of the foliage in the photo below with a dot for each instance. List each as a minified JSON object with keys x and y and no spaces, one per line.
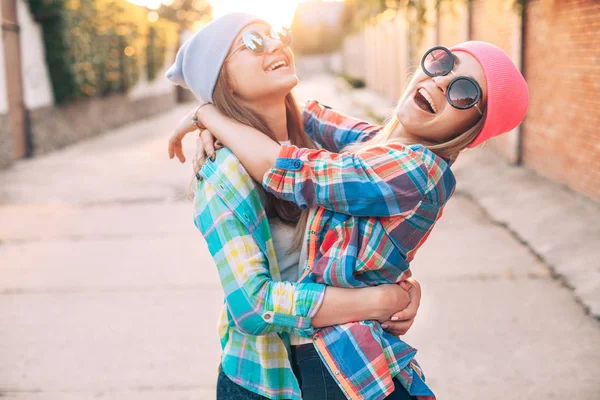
{"x":356,"y":83}
{"x":187,"y":13}
{"x":318,"y":27}
{"x":96,"y":47}
{"x":359,"y":12}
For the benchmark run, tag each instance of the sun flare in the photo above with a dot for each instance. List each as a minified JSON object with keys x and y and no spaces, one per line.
{"x":278,"y":13}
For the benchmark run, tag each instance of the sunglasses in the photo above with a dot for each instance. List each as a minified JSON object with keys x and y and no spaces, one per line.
{"x":256,"y":43}
{"x":462,"y":92}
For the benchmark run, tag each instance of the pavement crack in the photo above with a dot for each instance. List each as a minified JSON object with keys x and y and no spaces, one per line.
{"x":143,"y":388}
{"x":561,"y":279}
{"x":92,"y":238}
{"x":124,"y":289}
{"x":483,"y":277}
{"x":133,"y":201}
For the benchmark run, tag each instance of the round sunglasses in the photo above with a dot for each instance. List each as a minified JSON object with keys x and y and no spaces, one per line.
{"x":256,"y":43}
{"x":462,"y":92}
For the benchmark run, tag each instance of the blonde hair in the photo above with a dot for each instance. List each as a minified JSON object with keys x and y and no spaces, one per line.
{"x":288,"y":212}
{"x":447,"y":150}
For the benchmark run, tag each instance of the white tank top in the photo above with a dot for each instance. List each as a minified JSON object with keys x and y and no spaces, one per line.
{"x":291,"y":264}
{"x":283,"y":236}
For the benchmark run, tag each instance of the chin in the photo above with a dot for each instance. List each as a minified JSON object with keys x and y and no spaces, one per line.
{"x":287,"y":84}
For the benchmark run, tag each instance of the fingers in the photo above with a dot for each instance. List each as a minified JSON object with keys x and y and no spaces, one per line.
{"x":397,"y":328}
{"x":200,"y":157}
{"x":184,"y":127}
{"x":205,"y":144}
{"x":176,"y":148}
{"x":179,"y":152}
{"x":413,"y":283}
{"x":208,"y":141}
{"x":410,"y":312}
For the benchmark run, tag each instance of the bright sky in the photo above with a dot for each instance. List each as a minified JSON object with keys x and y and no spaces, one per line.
{"x":277,"y":12}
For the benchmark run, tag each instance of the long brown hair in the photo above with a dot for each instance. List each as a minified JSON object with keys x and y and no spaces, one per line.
{"x":288,"y":212}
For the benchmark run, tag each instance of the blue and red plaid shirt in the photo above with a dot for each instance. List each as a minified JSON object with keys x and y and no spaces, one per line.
{"x":376,"y":207}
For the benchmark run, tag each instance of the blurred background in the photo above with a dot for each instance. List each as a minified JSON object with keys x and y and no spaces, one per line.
{"x":107,"y":291}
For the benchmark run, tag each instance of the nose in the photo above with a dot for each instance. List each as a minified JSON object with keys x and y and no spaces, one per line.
{"x":442,"y":82}
{"x":273,"y":44}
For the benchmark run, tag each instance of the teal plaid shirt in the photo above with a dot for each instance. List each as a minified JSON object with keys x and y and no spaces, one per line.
{"x":259,"y":310}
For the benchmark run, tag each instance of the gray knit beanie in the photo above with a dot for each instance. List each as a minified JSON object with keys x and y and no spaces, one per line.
{"x":199,"y":60}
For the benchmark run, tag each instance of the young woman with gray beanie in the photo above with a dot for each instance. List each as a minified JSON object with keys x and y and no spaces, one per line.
{"x":255,"y":238}
{"x":373,"y":193}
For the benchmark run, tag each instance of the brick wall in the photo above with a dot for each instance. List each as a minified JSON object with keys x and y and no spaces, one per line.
{"x":497,"y":22}
{"x":562,"y":66}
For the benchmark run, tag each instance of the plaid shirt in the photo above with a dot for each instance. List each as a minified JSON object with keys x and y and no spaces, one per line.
{"x":259,"y":313}
{"x":376,"y":208}
{"x":343,"y":250}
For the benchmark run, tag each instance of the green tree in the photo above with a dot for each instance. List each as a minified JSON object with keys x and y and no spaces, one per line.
{"x":186,"y":12}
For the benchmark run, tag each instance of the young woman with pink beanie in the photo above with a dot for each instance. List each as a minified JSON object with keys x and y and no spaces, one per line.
{"x":373,"y":194}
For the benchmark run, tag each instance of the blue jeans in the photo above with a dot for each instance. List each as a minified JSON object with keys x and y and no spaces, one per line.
{"x":316,"y":381}
{"x":229,"y":390}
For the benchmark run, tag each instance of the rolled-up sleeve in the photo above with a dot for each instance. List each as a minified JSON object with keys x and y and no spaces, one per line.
{"x":332,"y":130}
{"x":380,"y":182}
{"x":257,"y":304}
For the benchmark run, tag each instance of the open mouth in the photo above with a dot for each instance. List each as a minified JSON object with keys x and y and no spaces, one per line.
{"x":425,"y":102}
{"x":276,"y":65}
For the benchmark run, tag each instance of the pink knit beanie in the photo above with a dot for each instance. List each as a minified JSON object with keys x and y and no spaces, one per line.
{"x":507,"y":92}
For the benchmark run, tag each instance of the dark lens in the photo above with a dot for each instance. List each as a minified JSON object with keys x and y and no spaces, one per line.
{"x":254,"y":42}
{"x":438,"y":62}
{"x":463,"y":93}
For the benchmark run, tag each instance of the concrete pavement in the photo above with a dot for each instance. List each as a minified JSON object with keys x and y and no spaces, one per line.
{"x":107,"y":290}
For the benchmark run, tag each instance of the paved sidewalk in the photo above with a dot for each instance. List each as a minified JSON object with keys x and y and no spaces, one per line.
{"x":107,"y":290}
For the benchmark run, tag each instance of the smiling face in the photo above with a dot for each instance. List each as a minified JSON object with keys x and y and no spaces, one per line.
{"x":425,"y":113}
{"x":253,"y":77}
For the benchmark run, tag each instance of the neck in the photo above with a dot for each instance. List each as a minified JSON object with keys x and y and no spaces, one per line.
{"x":398,"y":132}
{"x":274,"y":114}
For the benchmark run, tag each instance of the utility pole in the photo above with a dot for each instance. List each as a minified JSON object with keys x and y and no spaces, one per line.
{"x":14,"y":78}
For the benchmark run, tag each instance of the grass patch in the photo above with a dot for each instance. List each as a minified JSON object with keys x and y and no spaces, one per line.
{"x":356,"y":83}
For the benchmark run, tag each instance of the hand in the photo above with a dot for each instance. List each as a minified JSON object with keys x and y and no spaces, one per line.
{"x":185,"y":126}
{"x":401,"y":321}
{"x":206,"y":145}
{"x":388,"y":299}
